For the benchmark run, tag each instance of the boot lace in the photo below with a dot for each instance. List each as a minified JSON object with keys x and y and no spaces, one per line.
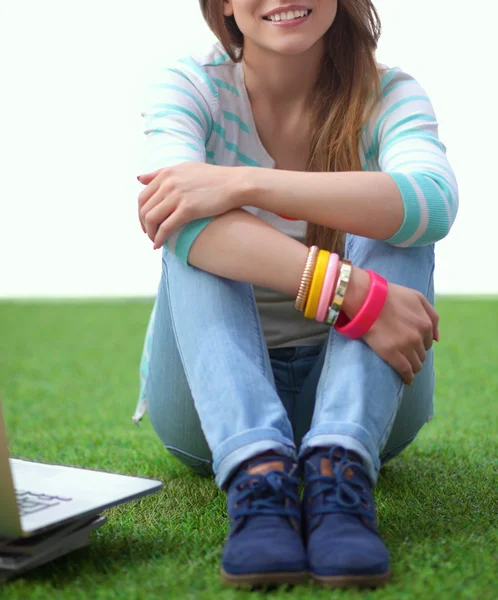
{"x":267,"y":495}
{"x":342,"y":494}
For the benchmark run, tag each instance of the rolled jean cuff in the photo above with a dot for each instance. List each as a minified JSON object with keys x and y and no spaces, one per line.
{"x":229,"y":455}
{"x":350,"y":436}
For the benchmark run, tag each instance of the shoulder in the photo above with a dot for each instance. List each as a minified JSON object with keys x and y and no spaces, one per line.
{"x":396,"y":85}
{"x":202,"y":73}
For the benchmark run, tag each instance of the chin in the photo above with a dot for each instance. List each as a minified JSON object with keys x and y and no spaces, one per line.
{"x":291,"y":48}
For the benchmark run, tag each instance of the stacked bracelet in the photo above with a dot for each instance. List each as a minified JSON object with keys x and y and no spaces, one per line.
{"x":368,"y":313}
{"x":340,"y":292}
{"x":304,"y":287}
{"x":321,"y":292}
{"x":316,"y":284}
{"x":316,"y":300}
{"x":327,"y":288}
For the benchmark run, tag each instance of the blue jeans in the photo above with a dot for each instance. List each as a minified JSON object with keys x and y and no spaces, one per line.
{"x":217,"y":396}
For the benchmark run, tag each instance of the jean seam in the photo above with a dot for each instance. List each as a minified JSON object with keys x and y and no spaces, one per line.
{"x":387,"y":429}
{"x":168,"y":298}
{"x":330,"y":342}
{"x":402,"y":445}
{"x":180,"y":451}
{"x":257,"y":329}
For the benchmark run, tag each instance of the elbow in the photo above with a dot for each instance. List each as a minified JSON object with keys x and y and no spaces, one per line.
{"x":431,"y":205}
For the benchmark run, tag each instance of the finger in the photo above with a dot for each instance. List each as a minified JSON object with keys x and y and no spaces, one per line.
{"x":415,"y":362}
{"x":404,"y":368}
{"x":142,"y":225}
{"x":421,"y":353}
{"x":428,"y":339}
{"x":431,"y":311}
{"x":167,"y":227}
{"x":147,"y":193}
{"x":154,"y":213}
{"x":146,"y":178}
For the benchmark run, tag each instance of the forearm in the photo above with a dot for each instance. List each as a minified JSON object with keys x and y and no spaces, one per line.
{"x":239,"y":246}
{"x":368,"y":204}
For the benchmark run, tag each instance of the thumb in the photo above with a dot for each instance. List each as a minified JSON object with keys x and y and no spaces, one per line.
{"x":148,"y":177}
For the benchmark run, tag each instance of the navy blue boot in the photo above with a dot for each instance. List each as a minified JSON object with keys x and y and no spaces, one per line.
{"x":264,"y":545}
{"x":343,"y":544}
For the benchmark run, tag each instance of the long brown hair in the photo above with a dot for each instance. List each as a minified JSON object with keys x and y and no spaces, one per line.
{"x":344,"y":96}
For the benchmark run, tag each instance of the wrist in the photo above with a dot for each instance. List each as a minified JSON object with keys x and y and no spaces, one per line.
{"x":248,"y":186}
{"x":359,"y":285}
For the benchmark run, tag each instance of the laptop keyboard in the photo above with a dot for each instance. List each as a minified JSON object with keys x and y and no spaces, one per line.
{"x":29,"y":502}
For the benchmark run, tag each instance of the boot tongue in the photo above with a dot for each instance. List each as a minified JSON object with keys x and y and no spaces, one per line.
{"x":326,"y":468}
{"x":263,"y":468}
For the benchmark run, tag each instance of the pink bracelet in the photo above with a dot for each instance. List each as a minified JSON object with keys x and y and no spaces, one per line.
{"x":327,"y":288}
{"x":368,"y":313}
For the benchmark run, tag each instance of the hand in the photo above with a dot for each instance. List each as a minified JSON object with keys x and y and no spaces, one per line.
{"x":404,"y":331}
{"x":176,"y":195}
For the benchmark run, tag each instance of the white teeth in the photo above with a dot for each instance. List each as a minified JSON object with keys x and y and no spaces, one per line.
{"x":287,"y":16}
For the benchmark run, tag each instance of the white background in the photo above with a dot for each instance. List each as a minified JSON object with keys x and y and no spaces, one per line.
{"x":72,"y":82}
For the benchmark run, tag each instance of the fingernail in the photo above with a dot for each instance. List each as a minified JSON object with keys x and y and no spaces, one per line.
{"x":138,"y":177}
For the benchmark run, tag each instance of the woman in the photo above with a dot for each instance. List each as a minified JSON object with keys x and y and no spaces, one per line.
{"x":340,"y":171}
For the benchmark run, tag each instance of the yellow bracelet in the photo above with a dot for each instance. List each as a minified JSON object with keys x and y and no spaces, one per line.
{"x":316,"y":284}
{"x":304,"y":287}
{"x":340,"y":292}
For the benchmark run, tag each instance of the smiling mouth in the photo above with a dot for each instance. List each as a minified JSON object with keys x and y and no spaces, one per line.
{"x":291,"y":15}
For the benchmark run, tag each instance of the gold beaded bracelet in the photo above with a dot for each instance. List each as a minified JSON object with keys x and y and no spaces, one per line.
{"x":304,"y":287}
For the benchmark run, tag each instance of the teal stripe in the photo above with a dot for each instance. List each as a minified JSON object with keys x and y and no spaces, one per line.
{"x":391,"y":88}
{"x":449,"y":192}
{"x":375,"y":144}
{"x":438,"y":225}
{"x":201,"y":74}
{"x":226,"y":86}
{"x":388,"y":77}
{"x":178,"y":72}
{"x":247,"y":160}
{"x":409,"y":135}
{"x":218,"y":61}
{"x":422,"y":163}
{"x":210,"y":157}
{"x":230,"y":116}
{"x":175,"y":109}
{"x":177,"y":88}
{"x":187,"y":237}
{"x":187,"y":134}
{"x":412,"y":209}
{"x":408,"y":119}
{"x":411,"y":151}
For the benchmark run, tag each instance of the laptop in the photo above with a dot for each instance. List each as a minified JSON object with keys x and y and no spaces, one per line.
{"x":37,"y":497}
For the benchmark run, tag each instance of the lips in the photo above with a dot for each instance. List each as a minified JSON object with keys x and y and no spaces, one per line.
{"x":286,"y":9}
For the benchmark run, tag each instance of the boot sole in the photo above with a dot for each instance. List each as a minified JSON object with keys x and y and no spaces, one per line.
{"x":349,"y":581}
{"x":262,"y":579}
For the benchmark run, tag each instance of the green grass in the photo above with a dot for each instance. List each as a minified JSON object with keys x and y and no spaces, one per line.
{"x":69,"y":381}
